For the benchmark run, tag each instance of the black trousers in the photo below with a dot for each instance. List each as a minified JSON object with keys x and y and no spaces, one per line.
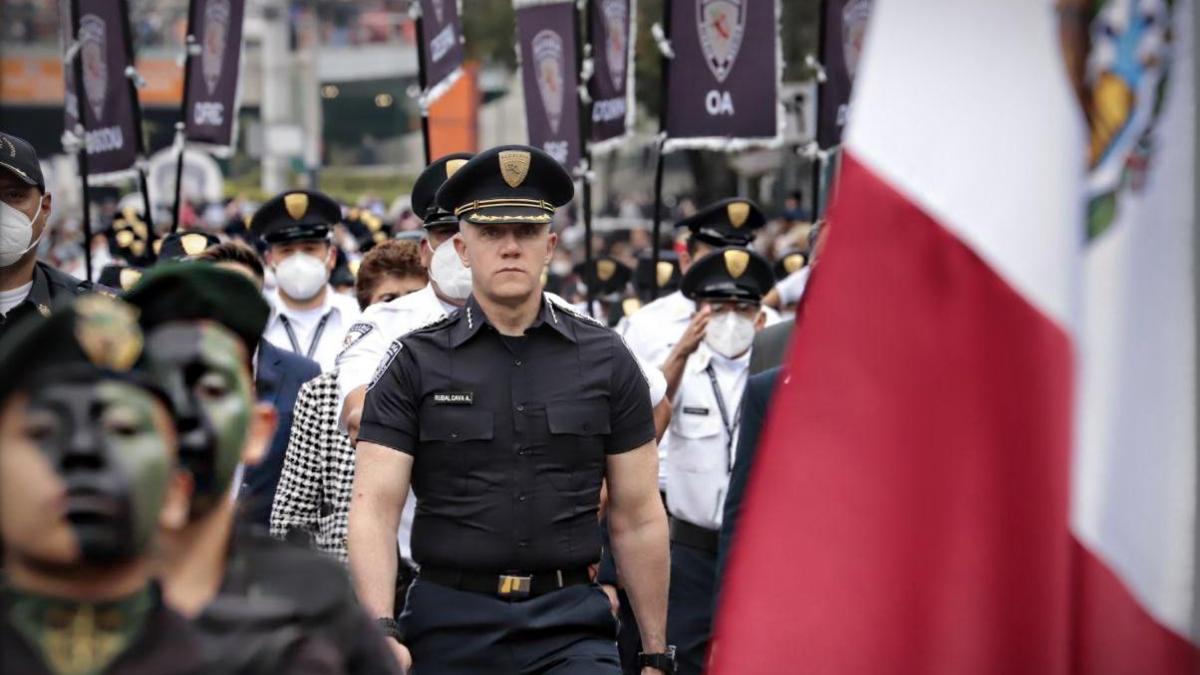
{"x":453,"y":632}
{"x":690,"y":606}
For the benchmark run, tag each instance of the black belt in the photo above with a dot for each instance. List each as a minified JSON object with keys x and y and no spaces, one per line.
{"x":683,"y":532}
{"x":510,"y":586}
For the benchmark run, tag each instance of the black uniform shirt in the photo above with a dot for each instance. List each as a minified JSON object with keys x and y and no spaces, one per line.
{"x":508,"y":435}
{"x":51,"y":289}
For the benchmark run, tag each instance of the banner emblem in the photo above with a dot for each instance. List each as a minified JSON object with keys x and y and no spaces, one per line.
{"x":95,"y":61}
{"x":216,"y":31}
{"x":721,"y":24}
{"x":550,"y":67}
{"x":616,"y":24}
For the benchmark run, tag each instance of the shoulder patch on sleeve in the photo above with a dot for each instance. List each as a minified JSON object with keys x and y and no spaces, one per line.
{"x":357,"y":332}
{"x":386,"y":362}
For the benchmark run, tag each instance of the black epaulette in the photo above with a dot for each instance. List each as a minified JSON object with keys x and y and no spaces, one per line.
{"x":566,"y":309}
{"x":436,"y":324}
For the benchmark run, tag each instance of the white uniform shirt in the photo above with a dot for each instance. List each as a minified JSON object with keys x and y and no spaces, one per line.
{"x":791,"y":288}
{"x":314,"y":333}
{"x":702,"y":448}
{"x":366,"y":342}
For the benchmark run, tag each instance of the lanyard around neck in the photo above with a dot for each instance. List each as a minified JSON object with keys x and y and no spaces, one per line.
{"x":316,"y":338}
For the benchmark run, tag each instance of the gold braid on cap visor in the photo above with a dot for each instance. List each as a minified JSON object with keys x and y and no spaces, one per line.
{"x":494,"y":203}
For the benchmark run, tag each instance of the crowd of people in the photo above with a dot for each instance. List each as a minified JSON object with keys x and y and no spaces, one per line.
{"x":313,"y":441}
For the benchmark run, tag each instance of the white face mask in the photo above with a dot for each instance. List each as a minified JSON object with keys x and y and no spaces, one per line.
{"x":446,"y":269}
{"x":729,"y":334}
{"x":16,"y":233}
{"x":301,"y":276}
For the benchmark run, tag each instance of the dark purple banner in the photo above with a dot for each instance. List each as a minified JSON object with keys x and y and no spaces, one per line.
{"x":843,"y":25}
{"x":110,"y":131}
{"x":550,"y":76}
{"x":210,"y":105}
{"x":723,"y":84}
{"x":611,"y":86}
{"x":442,"y":51}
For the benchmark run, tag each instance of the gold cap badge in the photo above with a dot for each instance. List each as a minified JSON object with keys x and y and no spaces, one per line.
{"x":662,"y":273}
{"x":605,"y":269}
{"x":128,"y":277}
{"x":454,"y":165}
{"x":296,"y":204}
{"x":630,"y":305}
{"x":124,"y":238}
{"x":514,"y":166}
{"x":157,"y":246}
{"x":193,"y":244}
{"x":107,"y":332}
{"x":793,"y":262}
{"x":736,"y":262}
{"x":738,"y":212}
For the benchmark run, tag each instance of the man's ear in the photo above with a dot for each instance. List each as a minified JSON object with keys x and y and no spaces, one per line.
{"x":331,"y":258}
{"x":760,"y":321}
{"x":460,"y":247}
{"x":551,"y":244}
{"x":178,"y":500}
{"x":425,"y":250}
{"x":263,"y":421}
{"x":685,"y":260}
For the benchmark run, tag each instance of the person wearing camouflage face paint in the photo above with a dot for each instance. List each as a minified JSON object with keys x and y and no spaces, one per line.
{"x":87,"y":475}
{"x":265,"y":605}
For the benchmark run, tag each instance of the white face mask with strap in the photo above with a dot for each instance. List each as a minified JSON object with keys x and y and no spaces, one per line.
{"x":729,"y":334}
{"x":16,"y":233}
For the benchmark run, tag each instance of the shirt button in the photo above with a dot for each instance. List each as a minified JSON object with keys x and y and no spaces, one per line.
{"x":517,"y":362}
{"x":521,"y":407}
{"x":453,"y":434}
{"x":523,"y":543}
{"x":521,"y":497}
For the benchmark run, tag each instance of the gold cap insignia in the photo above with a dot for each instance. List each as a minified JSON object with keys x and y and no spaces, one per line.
{"x":793,"y":262}
{"x":736,"y":262}
{"x":137,"y":248}
{"x":296,"y":204}
{"x":128,"y":277}
{"x":139,"y":228}
{"x":107,"y":332}
{"x":737,"y":212}
{"x":454,"y":165}
{"x":373,"y":223}
{"x":354,"y":265}
{"x":630,"y":305}
{"x":379,"y":237}
{"x":193,"y":243}
{"x":124,"y":238}
{"x":663,"y":272}
{"x":352,"y":214}
{"x":514,"y":166}
{"x":157,"y":245}
{"x":605,"y":269}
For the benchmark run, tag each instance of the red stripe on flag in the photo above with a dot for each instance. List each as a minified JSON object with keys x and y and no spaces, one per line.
{"x":1115,"y":635}
{"x":908,"y":509}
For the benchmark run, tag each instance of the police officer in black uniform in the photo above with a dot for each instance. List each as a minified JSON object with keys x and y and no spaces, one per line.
{"x":506,"y":417}
{"x":27,"y":285}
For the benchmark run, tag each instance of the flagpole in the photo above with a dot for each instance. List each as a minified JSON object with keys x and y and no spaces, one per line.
{"x":419,"y":22}
{"x":131,"y":78}
{"x":816,"y":165}
{"x":76,"y":66}
{"x":189,"y":42}
{"x":662,"y":141}
{"x":585,"y":145}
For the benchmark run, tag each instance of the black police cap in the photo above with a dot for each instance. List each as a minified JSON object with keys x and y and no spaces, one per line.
{"x":665,"y":276}
{"x":19,"y":157}
{"x":296,"y":215}
{"x":729,"y":222}
{"x":605,"y":276}
{"x":730,"y":273}
{"x":95,"y":337}
{"x":120,"y":277}
{"x":424,"y":192}
{"x":507,"y":184}
{"x":198,"y":290}
{"x":179,"y":245}
{"x":790,"y":262}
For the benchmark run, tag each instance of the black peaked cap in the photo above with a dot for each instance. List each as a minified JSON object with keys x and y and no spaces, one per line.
{"x":507,"y":184}
{"x":296,"y":215}
{"x":729,"y":222}
{"x":424,"y":192}
{"x":731,"y":273}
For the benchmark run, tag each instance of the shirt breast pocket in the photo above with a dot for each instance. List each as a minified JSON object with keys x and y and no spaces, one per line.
{"x":454,"y":446}
{"x":578,"y":431}
{"x":697,"y":442}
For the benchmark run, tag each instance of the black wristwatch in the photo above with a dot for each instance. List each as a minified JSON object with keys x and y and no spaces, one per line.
{"x":391,"y":628}
{"x":663,"y":661}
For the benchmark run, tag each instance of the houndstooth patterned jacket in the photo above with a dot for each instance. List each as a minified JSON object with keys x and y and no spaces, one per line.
{"x":318,"y":470}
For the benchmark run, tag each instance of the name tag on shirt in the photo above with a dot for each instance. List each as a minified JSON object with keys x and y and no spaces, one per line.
{"x":454,"y":398}
{"x":695,"y":411}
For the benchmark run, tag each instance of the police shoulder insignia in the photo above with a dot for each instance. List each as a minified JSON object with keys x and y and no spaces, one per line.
{"x":107,"y":331}
{"x":386,"y":362}
{"x":357,"y":332}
